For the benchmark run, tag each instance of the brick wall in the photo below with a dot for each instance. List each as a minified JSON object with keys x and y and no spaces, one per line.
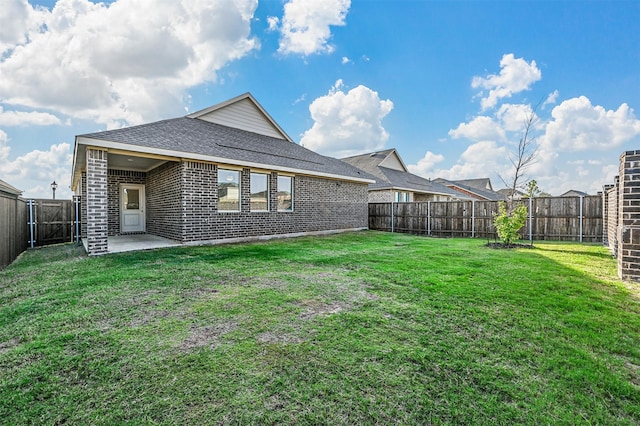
{"x":83,"y":204}
{"x":629,"y":216}
{"x":319,"y":205}
{"x":164,"y":203}
{"x":182,"y":204}
{"x":610,"y":217}
{"x":115,"y":179}
{"x":382,"y":196}
{"x":622,"y":216}
{"x":96,"y":201}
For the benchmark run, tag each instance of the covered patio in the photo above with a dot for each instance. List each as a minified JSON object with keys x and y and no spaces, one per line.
{"x":135,"y":242}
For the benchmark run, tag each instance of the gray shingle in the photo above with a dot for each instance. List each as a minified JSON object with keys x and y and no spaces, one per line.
{"x":194,"y":136}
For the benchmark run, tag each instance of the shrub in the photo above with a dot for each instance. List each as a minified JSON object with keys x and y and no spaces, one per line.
{"x":509,"y":223}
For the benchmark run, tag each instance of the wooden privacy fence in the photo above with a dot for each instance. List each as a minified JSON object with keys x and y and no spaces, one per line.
{"x":50,"y":222}
{"x":35,"y":223}
{"x":549,"y":218}
{"x":13,"y":229}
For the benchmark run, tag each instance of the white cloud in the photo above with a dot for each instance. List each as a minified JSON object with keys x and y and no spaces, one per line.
{"x":347,"y":124}
{"x":346,"y":60}
{"x":515,"y":76}
{"x":551,"y":99}
{"x":513,"y":117}
{"x":273,"y":22}
{"x":305,"y":26}
{"x":577,"y":125}
{"x":426,"y":165}
{"x":480,"y":128}
{"x":21,"y":118}
{"x":127,"y":62}
{"x":482,"y":159}
{"x":17,"y":20}
{"x":28,"y":171}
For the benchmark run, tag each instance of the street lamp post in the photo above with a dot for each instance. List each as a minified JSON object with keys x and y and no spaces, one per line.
{"x":54,"y":186}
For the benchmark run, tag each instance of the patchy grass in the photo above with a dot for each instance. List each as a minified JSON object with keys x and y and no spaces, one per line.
{"x":362,"y":328}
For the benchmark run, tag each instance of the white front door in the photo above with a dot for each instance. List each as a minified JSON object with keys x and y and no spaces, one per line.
{"x":132,"y":208}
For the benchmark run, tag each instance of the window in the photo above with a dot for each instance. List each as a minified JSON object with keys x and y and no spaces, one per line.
{"x":259,"y":192}
{"x":228,"y":190}
{"x":401,"y":197}
{"x":285,"y":193}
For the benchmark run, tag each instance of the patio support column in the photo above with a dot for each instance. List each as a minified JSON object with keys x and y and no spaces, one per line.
{"x":97,"y":207}
{"x":629,"y":217}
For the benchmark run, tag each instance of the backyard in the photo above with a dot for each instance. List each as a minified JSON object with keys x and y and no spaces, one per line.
{"x":356,"y":328}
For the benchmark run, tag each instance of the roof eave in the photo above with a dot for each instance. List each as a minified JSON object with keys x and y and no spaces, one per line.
{"x":178,"y":155}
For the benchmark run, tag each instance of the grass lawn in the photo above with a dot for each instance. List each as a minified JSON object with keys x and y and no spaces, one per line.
{"x":358,"y":328}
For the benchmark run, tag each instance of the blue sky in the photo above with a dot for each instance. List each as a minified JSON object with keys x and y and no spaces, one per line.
{"x":448,"y":84}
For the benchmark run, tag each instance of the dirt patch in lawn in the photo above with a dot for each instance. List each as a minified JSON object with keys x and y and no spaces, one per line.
{"x":207,"y":336}
{"x":8,"y":345}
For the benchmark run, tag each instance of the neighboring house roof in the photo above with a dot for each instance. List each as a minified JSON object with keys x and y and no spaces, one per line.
{"x":197,"y":137}
{"x":507,"y":193}
{"x":574,"y":193}
{"x":391,"y":173}
{"x":464,"y":187}
{"x":8,"y":189}
{"x":480,"y":183}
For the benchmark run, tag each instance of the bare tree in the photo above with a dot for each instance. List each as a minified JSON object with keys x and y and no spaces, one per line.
{"x":523,"y":157}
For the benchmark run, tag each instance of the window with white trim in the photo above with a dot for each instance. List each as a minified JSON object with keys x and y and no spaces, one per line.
{"x":228,"y":190}
{"x":259,"y":192}
{"x":285,"y":193}
{"x":401,"y":197}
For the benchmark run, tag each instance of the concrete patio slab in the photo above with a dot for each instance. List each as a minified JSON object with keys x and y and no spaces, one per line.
{"x":123,"y":243}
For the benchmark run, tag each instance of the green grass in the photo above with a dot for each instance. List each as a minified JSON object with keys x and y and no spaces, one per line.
{"x":361,"y":328}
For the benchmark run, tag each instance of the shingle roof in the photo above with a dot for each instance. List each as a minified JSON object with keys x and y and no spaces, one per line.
{"x":9,"y":189}
{"x":480,"y":183}
{"x":387,"y":178}
{"x":483,"y":193}
{"x":193,"y":136}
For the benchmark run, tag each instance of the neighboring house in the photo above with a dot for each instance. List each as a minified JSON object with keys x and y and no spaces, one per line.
{"x":8,"y":190}
{"x":478,"y":189}
{"x":228,"y":172}
{"x":393,"y":182}
{"x":517,"y":195}
{"x":574,"y":193}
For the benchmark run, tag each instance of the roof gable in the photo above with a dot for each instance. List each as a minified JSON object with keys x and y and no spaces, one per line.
{"x":245,"y":113}
{"x":393,"y":161}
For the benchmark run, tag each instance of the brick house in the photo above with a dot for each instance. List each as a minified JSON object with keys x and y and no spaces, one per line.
{"x":228,"y":172}
{"x":394,"y":183}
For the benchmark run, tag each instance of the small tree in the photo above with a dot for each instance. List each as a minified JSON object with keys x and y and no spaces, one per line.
{"x":509,"y":223}
{"x":532,"y":189}
{"x":510,"y":219}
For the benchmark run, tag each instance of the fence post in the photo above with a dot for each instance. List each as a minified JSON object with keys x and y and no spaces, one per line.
{"x":473,"y":218}
{"x":392,"y":224}
{"x":429,"y":218}
{"x":531,"y":219}
{"x":76,"y":200}
{"x":581,"y":202}
{"x":31,"y":236}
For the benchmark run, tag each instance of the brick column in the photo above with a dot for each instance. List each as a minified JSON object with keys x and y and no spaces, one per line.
{"x":245,"y":190}
{"x":629,"y":216}
{"x":96,"y":201}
